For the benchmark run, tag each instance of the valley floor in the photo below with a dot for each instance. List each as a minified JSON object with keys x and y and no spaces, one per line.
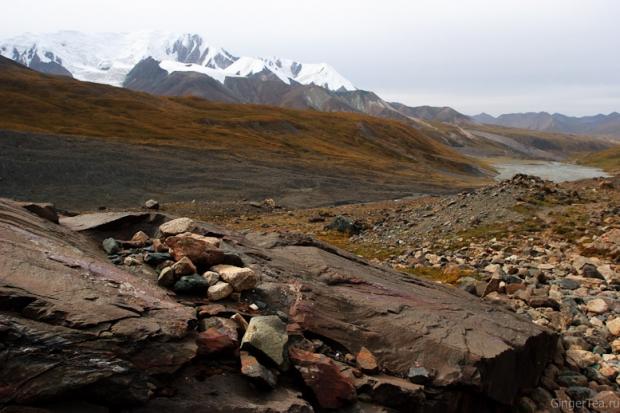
{"x":88,"y":173}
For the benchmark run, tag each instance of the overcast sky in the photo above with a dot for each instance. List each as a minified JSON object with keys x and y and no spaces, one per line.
{"x":495,"y":56}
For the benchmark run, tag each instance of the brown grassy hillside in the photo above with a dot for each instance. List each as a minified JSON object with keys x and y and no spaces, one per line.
{"x":608,"y":160}
{"x":364,"y":145}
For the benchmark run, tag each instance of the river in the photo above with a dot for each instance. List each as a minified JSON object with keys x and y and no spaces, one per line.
{"x":552,"y":171}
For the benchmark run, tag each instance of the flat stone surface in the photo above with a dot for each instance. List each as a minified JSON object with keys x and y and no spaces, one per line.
{"x":58,"y":291}
{"x":407,"y":320}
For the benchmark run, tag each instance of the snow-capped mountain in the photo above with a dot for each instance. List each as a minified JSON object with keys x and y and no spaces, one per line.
{"x":109,"y":57}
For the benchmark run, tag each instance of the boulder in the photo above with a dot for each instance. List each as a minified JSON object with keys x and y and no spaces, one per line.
{"x":367,"y":361}
{"x":212,"y":277}
{"x":155,"y":258}
{"x":219,"y":290}
{"x":240,"y":279}
{"x":543,"y":301}
{"x":581,"y":358}
{"x":597,"y":306}
{"x":177,"y":226}
{"x":184,"y":266}
{"x":590,"y":271}
{"x":213,"y":241}
{"x":151,"y":204}
{"x":259,"y":374}
{"x":267,"y":336}
{"x":111,"y":246}
{"x":331,"y":388}
{"x":606,"y":402}
{"x":199,"y":252}
{"x":191,"y":284}
{"x":140,"y":238}
{"x":345,"y":225}
{"x":614,"y":326}
{"x":166,"y":277}
{"x":217,"y":340}
{"x":419,"y":375}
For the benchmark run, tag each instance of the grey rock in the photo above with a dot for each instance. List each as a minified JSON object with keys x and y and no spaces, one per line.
{"x":419,"y":375}
{"x":191,"y":284}
{"x":267,"y":336}
{"x":151,"y":204}
{"x":580,"y":393}
{"x":111,"y":246}
{"x":345,"y":225}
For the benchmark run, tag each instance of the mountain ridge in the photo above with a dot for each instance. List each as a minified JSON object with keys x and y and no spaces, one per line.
{"x":599,"y":124}
{"x":171,"y":64}
{"x":108,"y":57}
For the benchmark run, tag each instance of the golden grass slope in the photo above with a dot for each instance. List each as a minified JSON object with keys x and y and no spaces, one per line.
{"x":608,"y":160}
{"x":362,"y":144}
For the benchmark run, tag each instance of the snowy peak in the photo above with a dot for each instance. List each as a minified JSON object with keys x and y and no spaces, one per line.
{"x":109,"y":57}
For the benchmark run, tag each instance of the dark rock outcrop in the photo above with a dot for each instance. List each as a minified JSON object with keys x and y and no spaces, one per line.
{"x":71,"y":320}
{"x":74,"y":325}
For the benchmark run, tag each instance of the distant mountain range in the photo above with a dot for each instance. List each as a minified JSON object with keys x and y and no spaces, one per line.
{"x":173,"y":64}
{"x":608,"y":125}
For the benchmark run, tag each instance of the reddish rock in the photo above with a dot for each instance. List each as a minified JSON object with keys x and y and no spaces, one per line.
{"x":513,"y":288}
{"x":159,"y":246}
{"x":210,"y":310}
{"x":606,"y":402}
{"x":367,"y":361}
{"x":199,"y":252}
{"x":140,"y":237}
{"x":538,"y":302}
{"x":492,"y":286}
{"x":259,"y":374}
{"x":217,"y":340}
{"x":331,"y":388}
{"x":184,"y":266}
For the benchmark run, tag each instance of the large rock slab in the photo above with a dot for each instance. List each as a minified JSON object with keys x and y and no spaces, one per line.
{"x":405,"y":321}
{"x":70,"y":321}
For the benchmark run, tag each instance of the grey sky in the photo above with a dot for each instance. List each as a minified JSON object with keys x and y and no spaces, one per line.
{"x":475,"y":55}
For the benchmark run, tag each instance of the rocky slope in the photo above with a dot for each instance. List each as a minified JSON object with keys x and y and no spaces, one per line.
{"x":181,"y":315}
{"x":549,"y":252}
